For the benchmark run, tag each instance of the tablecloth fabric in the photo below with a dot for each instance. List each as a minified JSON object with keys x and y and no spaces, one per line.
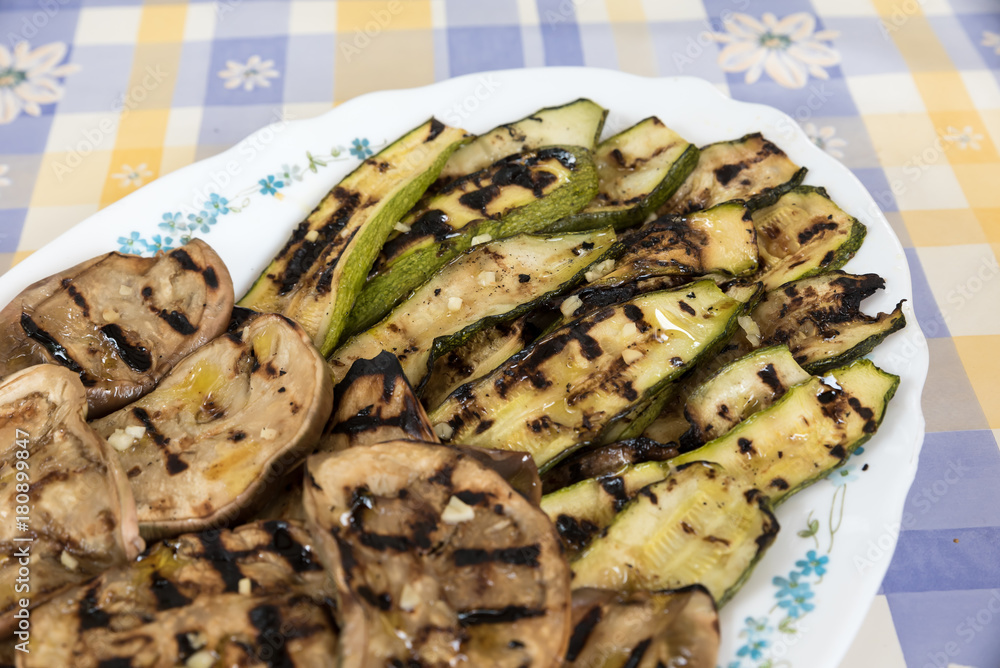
{"x":124,"y":91}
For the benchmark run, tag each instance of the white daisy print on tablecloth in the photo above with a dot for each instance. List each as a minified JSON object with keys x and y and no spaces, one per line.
{"x":991,"y":40}
{"x":964,"y":138}
{"x":30,"y":78}
{"x":131,"y":177}
{"x":255,"y":72}
{"x":825,"y":137}
{"x":789,"y":50}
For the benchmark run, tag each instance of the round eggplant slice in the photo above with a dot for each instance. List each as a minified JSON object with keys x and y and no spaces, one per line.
{"x":643,"y":629}
{"x":79,"y":517}
{"x":228,"y":421}
{"x":436,"y":559}
{"x":119,"y":321}
{"x":253,"y":596}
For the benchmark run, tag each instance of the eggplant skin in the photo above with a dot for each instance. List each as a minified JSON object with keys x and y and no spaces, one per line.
{"x":121,"y":322}
{"x":606,"y":460}
{"x":82,"y":516}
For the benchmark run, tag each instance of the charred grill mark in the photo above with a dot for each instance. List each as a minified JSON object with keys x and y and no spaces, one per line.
{"x":436,"y":128}
{"x":779,"y":483}
{"x":267,"y":620}
{"x":90,"y":614}
{"x":136,"y":357}
{"x":443,"y":476}
{"x":177,"y":321}
{"x":115,"y":662}
{"x":827,"y":397}
{"x":298,"y":556}
{"x":47,"y":341}
{"x":237,"y":436}
{"x":142,"y":416}
{"x":510,"y":613}
{"x":727,"y":173}
{"x":523,"y":278}
{"x":816,"y":229}
{"x":75,"y":295}
{"x":770,"y":378}
{"x":865,"y":412}
{"x":307,"y":252}
{"x":222,"y":560}
{"x":471,"y":498}
{"x":581,"y":633}
{"x":687,"y":308}
{"x":380,"y":601}
{"x":385,"y":543}
{"x":746,"y":446}
{"x":211,"y":280}
{"x":147,"y":292}
{"x":615,"y":487}
{"x":838,"y":452}
{"x":827,"y":259}
{"x":166,"y":593}
{"x":483,"y":426}
{"x":478,"y":200}
{"x":184,"y":260}
{"x":525,"y":555}
{"x":184,"y":646}
{"x":325,"y":281}
{"x":636,"y":656}
{"x":175,"y":464}
{"x":575,"y":532}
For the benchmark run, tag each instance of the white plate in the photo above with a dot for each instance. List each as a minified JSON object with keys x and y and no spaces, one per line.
{"x":862,"y":511}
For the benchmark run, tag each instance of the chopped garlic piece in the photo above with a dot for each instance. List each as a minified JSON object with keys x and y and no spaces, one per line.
{"x":124,"y":290}
{"x":629,"y":330}
{"x":631,"y":356}
{"x":457,"y":511}
{"x":443,"y":430}
{"x":120,"y":441}
{"x":268,"y":434}
{"x":481,"y":239}
{"x":600,"y":270}
{"x":487,"y":277}
{"x":570,"y":305}
{"x":409,"y":597}
{"x":203,"y":659}
{"x":454,"y":303}
{"x":401,"y":227}
{"x":751,"y":328}
{"x":111,"y":315}
{"x":68,"y":560}
{"x":312,"y":235}
{"x":135,"y":431}
{"x":245,"y":586}
{"x":197,"y":640}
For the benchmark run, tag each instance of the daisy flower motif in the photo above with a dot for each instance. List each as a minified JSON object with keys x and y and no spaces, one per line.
{"x":291,"y":173}
{"x":255,"y":72}
{"x":359,"y":149}
{"x":30,"y":78}
{"x":991,"y":40}
{"x":173,"y":222}
{"x":132,"y":244}
{"x":4,"y":180}
{"x":218,"y":204}
{"x":825,"y":139}
{"x":789,"y":50}
{"x":132,"y":178}
{"x":964,"y":138}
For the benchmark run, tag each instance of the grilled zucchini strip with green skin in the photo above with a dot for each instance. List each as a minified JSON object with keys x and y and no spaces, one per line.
{"x":519,"y":194}
{"x":638,"y":169}
{"x":236,"y":415}
{"x":374,"y":403}
{"x":570,"y":386}
{"x":606,"y":460}
{"x":699,"y":526}
{"x":316,"y":277}
{"x":744,"y":387}
{"x":748,"y":168}
{"x":768,"y":451}
{"x":479,"y":354}
{"x":803,"y":234}
{"x":643,"y":629}
{"x":488,"y":283}
{"x":821,"y":321}
{"x":185,"y":596}
{"x":578,"y":123}
{"x":409,"y":533}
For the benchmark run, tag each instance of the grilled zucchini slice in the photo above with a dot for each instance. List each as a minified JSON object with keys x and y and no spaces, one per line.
{"x":410,"y":533}
{"x":488,"y":283}
{"x":316,"y":277}
{"x":806,"y":434}
{"x":643,"y":629}
{"x":241,"y":412}
{"x":638,"y":170}
{"x":222,"y":597}
{"x":821,"y":321}
{"x":82,"y":515}
{"x":804,"y":233}
{"x":578,"y":123}
{"x":119,"y":321}
{"x":570,"y":386}
{"x":748,"y":168}
{"x":518,"y":194}
{"x":699,"y":526}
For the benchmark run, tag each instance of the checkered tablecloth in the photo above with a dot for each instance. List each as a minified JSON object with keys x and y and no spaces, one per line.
{"x":98,"y":97}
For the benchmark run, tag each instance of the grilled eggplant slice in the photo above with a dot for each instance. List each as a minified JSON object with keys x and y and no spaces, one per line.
{"x":578,"y":123}
{"x":82,"y":517}
{"x":316,"y":277}
{"x":817,"y":426}
{"x":747,"y":168}
{"x":570,"y":386}
{"x":119,"y":321}
{"x":479,"y":354}
{"x":638,"y":170}
{"x":410,"y":533}
{"x":518,"y":194}
{"x":821,"y":321}
{"x":606,"y":460}
{"x":253,"y":596}
{"x":803,"y":234}
{"x":488,"y":283}
{"x":241,"y":412}
{"x":699,"y":526}
{"x":742,"y":388}
{"x":643,"y":629}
